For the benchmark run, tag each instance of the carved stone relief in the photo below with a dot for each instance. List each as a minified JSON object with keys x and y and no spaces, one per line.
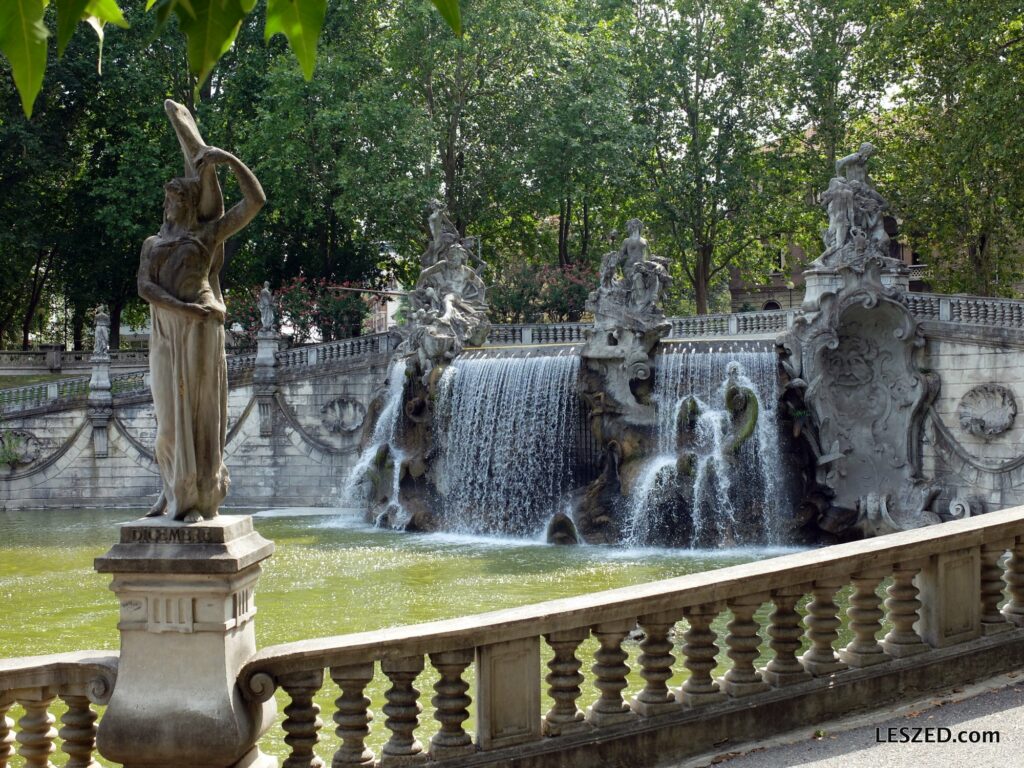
{"x":343,"y":415}
{"x":987,"y":410}
{"x":18,"y":447}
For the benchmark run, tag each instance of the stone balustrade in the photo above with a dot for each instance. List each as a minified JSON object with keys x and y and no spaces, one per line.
{"x":33,"y":685}
{"x":941,"y":622}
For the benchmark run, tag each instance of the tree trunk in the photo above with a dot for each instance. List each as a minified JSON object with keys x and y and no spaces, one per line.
{"x":39,"y":276}
{"x":585,"y":234}
{"x":115,"y":324}
{"x":701,"y":278}
{"x":564,"y":222}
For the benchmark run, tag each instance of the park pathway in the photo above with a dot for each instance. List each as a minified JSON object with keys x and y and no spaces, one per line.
{"x":994,"y":705}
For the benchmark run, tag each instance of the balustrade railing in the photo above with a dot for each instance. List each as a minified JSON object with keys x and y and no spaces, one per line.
{"x":33,"y":685}
{"x":931,"y":572}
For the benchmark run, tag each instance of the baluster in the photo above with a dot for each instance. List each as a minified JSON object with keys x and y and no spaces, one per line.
{"x":822,"y":622}
{"x":352,"y":715}
{"x":656,"y":664}
{"x":1014,"y":578}
{"x":743,"y":641}
{"x":402,"y":710}
{"x":36,"y":732}
{"x":610,"y":671}
{"x":865,"y":621}
{"x":302,"y":718}
{"x":992,"y":621}
{"x":78,"y":732}
{"x":785,"y":630}
{"x":903,"y":606}
{"x":450,"y":705}
{"x":564,"y":683}
{"x":700,"y":652}
{"x":6,"y":732}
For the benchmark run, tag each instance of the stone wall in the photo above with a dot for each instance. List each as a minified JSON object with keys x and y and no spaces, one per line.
{"x":315,"y":421}
{"x":974,"y":439}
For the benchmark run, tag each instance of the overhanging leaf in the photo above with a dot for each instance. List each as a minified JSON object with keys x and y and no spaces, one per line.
{"x":23,"y":41}
{"x":450,"y":11}
{"x":69,"y":13}
{"x":210,"y":31}
{"x":300,"y":21}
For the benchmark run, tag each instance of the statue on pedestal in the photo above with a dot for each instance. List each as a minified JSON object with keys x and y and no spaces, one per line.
{"x":178,"y":276}
{"x":266,"y":307}
{"x":101,"y":336}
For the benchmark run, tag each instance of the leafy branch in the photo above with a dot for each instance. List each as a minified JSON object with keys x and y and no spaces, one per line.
{"x":209,"y":25}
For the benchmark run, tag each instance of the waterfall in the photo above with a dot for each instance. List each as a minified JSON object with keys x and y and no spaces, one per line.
{"x":720,"y":499}
{"x":384,"y":434}
{"x":506,"y":430}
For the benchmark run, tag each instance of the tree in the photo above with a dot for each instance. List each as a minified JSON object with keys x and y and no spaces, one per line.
{"x":702,"y":101}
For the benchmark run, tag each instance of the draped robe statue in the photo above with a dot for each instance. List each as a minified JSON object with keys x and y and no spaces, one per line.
{"x":178,"y":276}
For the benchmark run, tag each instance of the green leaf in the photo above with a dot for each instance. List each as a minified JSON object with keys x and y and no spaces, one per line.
{"x":450,"y":11}
{"x":210,"y":28}
{"x":106,"y":11}
{"x":69,"y":13}
{"x":300,"y":21}
{"x":23,"y":41}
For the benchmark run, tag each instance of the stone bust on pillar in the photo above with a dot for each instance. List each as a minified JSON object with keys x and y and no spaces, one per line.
{"x":178,"y":276}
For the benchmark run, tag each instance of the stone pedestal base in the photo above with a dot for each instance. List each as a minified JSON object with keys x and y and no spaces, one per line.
{"x":186,"y":622}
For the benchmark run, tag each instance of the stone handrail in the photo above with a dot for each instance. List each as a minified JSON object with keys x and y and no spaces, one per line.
{"x":80,"y":680}
{"x":946,"y":586}
{"x":971,"y":310}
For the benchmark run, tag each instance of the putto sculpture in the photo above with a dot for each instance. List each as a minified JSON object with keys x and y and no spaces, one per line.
{"x":178,"y":276}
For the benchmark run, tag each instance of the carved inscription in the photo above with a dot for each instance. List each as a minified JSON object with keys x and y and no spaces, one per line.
{"x":171,"y":535}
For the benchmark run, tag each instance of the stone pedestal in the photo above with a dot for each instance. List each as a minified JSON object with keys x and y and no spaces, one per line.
{"x":101,"y":403}
{"x":818,"y":282}
{"x":186,"y":622}
{"x":265,"y":379}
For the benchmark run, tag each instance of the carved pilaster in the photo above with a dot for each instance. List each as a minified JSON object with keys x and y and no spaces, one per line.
{"x":1014,"y":578}
{"x":564,"y":681}
{"x":743,"y":643}
{"x":865,"y":621}
{"x":822,"y":622}
{"x":656,"y":661}
{"x":992,"y":620}
{"x":403,"y":711}
{"x":610,"y":672}
{"x":785,"y":630}
{"x":302,"y":722}
{"x":264,"y":379}
{"x":699,"y":651}
{"x":78,"y":732}
{"x":36,"y":732}
{"x":352,"y":715}
{"x":451,"y":705}
{"x":903,"y":606}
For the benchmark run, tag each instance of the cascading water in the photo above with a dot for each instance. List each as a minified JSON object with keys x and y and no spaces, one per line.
{"x":708,"y":494}
{"x":506,"y":431}
{"x":384,"y":436}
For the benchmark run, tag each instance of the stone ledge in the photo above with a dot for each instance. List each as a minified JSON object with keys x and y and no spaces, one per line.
{"x":225,"y":544}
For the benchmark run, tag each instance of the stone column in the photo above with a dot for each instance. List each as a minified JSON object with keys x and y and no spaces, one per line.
{"x":100,"y":400}
{"x":264,"y":378}
{"x":186,"y":622}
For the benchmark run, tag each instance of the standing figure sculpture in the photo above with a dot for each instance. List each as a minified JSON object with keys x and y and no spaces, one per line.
{"x":266,"y":307}
{"x":178,"y":276}
{"x":101,"y":339}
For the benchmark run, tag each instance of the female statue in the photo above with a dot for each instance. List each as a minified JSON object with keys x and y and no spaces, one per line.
{"x":178,"y":276}
{"x":266,"y":307}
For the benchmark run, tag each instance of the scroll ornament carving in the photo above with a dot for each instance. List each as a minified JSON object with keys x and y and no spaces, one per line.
{"x":987,"y":410}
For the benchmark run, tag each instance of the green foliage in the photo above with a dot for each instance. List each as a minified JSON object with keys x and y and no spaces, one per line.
{"x":210,"y":26}
{"x":527,"y":294}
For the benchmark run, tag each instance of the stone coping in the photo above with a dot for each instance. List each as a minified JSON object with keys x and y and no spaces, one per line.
{"x":226,"y":544}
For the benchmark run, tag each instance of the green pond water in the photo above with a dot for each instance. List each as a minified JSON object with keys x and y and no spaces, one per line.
{"x":331,"y":575}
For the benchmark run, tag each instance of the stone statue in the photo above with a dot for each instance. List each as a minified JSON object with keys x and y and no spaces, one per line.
{"x":856,"y":225}
{"x":101,"y":339}
{"x":266,"y":306}
{"x":634,"y":247}
{"x":178,"y":276}
{"x":449,"y":304}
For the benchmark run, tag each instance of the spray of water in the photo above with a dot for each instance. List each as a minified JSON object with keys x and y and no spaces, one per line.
{"x":725,"y":499}
{"x":506,"y":432}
